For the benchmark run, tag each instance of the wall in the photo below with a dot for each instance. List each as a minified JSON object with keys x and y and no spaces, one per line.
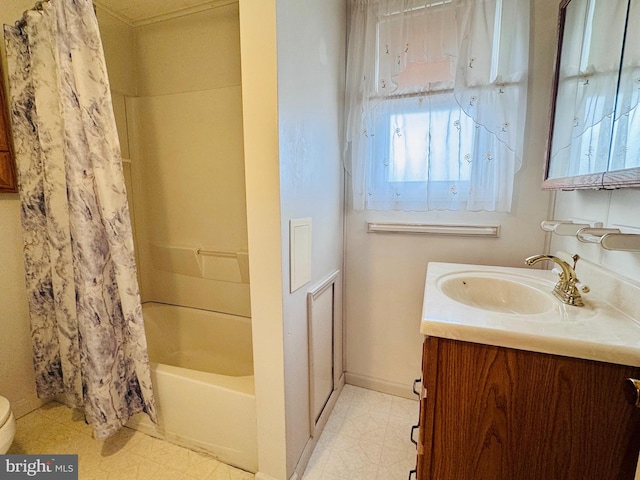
{"x":385,"y":272}
{"x":311,"y":48}
{"x":615,"y":209}
{"x":186,"y":138}
{"x":291,"y":87}
{"x":260,"y":125}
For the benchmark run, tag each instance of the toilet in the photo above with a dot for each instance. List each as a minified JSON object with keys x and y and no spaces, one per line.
{"x":7,"y":425}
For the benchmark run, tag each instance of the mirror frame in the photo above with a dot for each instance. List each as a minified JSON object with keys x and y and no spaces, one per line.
{"x":610,"y":179}
{"x":8,"y":182}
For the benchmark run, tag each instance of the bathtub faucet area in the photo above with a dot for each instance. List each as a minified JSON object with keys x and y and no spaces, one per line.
{"x":566,"y":290}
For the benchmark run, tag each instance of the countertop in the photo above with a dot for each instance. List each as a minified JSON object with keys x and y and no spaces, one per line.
{"x":598,"y":331}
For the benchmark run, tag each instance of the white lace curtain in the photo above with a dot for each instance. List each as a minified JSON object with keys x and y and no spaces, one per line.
{"x":436,"y":103}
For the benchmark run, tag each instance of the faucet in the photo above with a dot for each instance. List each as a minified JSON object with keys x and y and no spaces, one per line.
{"x":566,"y":290}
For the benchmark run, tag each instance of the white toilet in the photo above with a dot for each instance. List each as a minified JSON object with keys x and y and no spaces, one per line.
{"x":7,"y":425}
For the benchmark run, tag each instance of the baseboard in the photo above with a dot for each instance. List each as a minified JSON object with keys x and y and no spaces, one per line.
{"x":317,"y":431}
{"x":23,"y":406}
{"x":384,"y":386}
{"x":263,"y":476}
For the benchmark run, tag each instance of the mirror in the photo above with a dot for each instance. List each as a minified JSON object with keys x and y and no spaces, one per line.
{"x":594,"y":134}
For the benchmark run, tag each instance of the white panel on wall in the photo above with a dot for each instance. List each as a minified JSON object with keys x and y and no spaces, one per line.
{"x":300,"y":252}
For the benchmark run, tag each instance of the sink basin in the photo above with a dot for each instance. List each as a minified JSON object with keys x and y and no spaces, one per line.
{"x":515,"y":308}
{"x":498,"y":293}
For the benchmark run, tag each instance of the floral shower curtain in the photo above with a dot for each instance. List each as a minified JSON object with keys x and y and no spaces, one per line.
{"x":86,"y":319}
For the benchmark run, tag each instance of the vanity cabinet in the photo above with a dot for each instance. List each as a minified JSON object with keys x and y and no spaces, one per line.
{"x":498,"y":413}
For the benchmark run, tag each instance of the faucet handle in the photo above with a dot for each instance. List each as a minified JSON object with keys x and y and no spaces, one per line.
{"x":582,"y":287}
{"x":579,"y":285}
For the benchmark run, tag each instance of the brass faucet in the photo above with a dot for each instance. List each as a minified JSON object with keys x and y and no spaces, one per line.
{"x":566,"y":290}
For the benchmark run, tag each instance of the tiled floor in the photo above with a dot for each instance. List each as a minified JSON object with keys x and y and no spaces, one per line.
{"x":366,"y":437}
{"x":127,"y":455}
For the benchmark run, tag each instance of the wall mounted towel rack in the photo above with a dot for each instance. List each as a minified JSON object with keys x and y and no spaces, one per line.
{"x":610,"y":239}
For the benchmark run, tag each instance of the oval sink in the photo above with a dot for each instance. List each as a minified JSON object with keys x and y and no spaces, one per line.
{"x":498,"y":293}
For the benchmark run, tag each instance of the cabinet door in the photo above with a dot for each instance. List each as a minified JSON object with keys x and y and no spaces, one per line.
{"x":504,"y":414}
{"x":427,"y":396}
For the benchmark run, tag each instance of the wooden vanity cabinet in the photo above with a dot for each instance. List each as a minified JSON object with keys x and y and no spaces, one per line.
{"x":497,"y":413}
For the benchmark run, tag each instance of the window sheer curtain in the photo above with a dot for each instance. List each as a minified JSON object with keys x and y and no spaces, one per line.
{"x":436,"y":103}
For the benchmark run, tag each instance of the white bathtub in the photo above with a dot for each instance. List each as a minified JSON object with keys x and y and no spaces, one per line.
{"x":202,"y":374}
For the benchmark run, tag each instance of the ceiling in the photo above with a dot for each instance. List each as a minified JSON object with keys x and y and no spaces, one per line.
{"x":142,"y":11}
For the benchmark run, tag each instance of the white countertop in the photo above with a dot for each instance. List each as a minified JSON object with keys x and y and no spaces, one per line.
{"x":597,"y":331}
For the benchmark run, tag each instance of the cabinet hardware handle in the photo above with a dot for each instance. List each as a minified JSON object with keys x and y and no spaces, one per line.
{"x":412,"y":473}
{"x":416,"y":381}
{"x":413,"y":429}
{"x":632,"y":391}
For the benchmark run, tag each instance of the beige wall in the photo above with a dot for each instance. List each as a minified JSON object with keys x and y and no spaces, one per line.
{"x":385,"y":272}
{"x":311,"y":46}
{"x":262,"y":174}
{"x":292,"y":96}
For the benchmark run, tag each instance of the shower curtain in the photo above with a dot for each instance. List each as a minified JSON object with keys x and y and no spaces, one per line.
{"x":88,"y":336}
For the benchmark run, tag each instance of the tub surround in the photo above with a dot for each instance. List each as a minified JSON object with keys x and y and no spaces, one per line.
{"x":602,"y":330}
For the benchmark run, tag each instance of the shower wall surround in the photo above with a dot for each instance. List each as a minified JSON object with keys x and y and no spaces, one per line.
{"x":182,"y":126}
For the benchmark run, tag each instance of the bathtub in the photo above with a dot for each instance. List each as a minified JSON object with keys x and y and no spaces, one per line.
{"x":202,"y":374}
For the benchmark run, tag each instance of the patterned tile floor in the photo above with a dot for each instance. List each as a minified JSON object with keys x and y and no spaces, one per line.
{"x":366,"y":437}
{"x":128,"y":455}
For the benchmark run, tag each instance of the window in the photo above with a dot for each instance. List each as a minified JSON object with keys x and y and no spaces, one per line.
{"x":436,"y":98}
{"x":420,"y":142}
